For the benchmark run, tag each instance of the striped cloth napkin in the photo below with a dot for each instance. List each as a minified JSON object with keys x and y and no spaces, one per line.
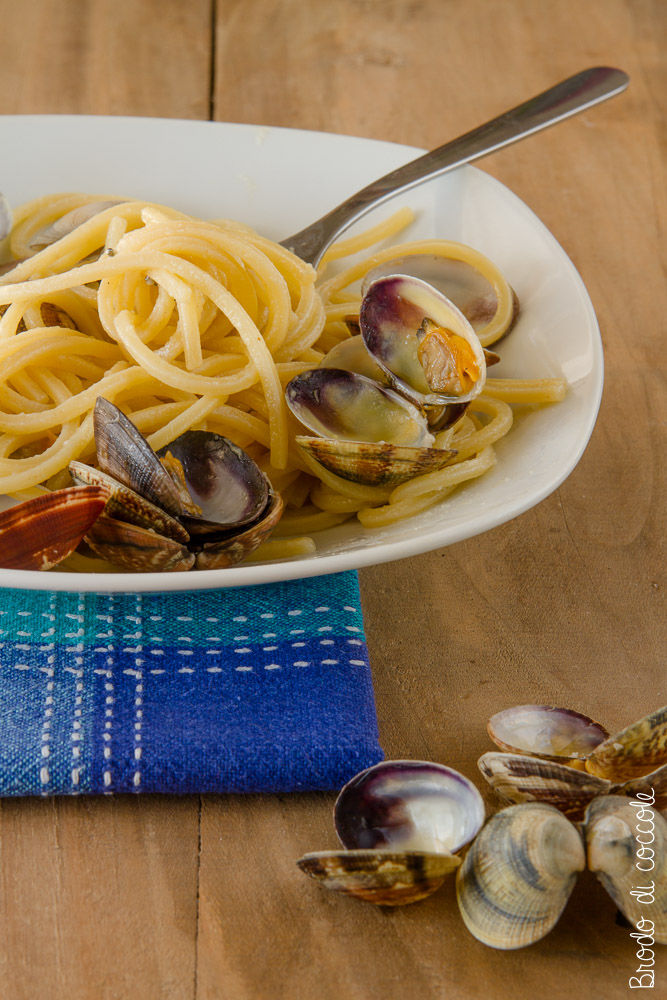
{"x":258,"y":689}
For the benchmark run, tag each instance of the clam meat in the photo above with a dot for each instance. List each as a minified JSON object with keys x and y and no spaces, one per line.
{"x":426,"y":347}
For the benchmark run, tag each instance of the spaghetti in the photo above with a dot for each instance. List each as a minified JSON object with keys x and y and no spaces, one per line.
{"x":190,"y":324}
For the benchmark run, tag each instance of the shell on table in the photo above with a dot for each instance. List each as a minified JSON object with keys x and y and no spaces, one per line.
{"x":653,"y":784}
{"x":386,"y":878}
{"x":402,"y":823}
{"x":634,"y":751}
{"x":546,"y":731}
{"x":626,"y":842}
{"x":518,"y":778}
{"x":518,"y":875}
{"x":408,"y":805}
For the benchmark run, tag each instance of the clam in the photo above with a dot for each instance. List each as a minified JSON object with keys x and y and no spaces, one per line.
{"x":518,"y":875}
{"x":200,"y":503}
{"x":386,"y":878}
{"x":465,"y":277}
{"x":518,"y":778}
{"x":627,"y":849}
{"x":402,"y":824}
{"x":634,"y":751}
{"x":422,"y":365}
{"x":422,"y":341}
{"x":364,"y":431}
{"x":654,"y":784}
{"x":545,"y":731}
{"x":40,"y":533}
{"x":545,"y":744}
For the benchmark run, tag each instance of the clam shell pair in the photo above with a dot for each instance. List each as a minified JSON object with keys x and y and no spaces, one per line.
{"x":565,"y":759}
{"x":401,"y":824}
{"x":199,"y":503}
{"x":521,"y":869}
{"x":374,"y":401}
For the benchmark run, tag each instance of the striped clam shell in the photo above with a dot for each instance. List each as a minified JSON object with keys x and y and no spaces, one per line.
{"x":386,"y":878}
{"x":39,"y":533}
{"x":518,"y":875}
{"x":518,"y":778}
{"x":370,"y":464}
{"x":634,"y":751}
{"x":626,"y":845}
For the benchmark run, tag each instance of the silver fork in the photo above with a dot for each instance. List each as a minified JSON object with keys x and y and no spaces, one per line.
{"x":569,"y":97}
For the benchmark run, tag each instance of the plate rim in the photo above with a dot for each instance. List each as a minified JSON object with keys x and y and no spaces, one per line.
{"x":251,"y":574}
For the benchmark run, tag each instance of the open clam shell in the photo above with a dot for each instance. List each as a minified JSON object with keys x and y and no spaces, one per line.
{"x":518,"y":875}
{"x":124,"y":454}
{"x":136,"y":549}
{"x":423,"y":343}
{"x":40,"y":533}
{"x":518,"y":778}
{"x":546,"y":731}
{"x":227,"y":487}
{"x":472,"y":282}
{"x":408,"y":805}
{"x":627,"y":849}
{"x":634,"y":751}
{"x":386,"y":878}
{"x":232,"y":547}
{"x":338,"y":404}
{"x":125,"y":505}
{"x":366,"y":433}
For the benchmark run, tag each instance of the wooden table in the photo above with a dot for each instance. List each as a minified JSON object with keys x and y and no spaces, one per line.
{"x":180,"y":898}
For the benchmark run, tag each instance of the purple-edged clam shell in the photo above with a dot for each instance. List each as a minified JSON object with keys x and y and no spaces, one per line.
{"x":223,"y":481}
{"x":467,"y":287}
{"x":391,"y":316}
{"x":342,"y":405}
{"x":546,"y":731}
{"x":408,"y":805}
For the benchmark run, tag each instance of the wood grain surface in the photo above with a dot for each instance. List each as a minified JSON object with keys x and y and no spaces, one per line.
{"x":168,"y":899}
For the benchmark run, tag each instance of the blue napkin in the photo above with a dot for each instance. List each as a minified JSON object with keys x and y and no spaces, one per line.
{"x":258,"y":689}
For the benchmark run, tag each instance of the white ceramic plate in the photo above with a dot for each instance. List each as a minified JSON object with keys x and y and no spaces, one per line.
{"x":279,"y":180}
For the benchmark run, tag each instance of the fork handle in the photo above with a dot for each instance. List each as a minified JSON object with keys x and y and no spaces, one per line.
{"x":569,"y":97}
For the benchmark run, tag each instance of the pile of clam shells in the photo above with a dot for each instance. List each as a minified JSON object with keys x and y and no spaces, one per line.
{"x":403,"y":825}
{"x":199,"y":503}
{"x":561,"y":757}
{"x":413,"y":366}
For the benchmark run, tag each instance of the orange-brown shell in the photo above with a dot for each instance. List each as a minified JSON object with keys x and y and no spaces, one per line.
{"x":40,"y":533}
